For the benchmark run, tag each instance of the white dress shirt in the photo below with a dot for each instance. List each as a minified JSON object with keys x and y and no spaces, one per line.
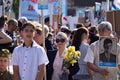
{"x":28,"y":60}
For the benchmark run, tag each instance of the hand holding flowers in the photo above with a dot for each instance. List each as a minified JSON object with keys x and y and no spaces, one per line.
{"x":71,"y":57}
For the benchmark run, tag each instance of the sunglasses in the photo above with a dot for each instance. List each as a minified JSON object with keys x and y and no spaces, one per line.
{"x":60,"y":40}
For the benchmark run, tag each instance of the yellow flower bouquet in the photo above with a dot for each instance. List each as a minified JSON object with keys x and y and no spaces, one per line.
{"x":71,"y":57}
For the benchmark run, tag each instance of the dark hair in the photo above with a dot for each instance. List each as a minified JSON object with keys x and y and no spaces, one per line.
{"x":93,"y":29}
{"x":72,"y":36}
{"x":47,"y":19}
{"x":29,"y":23}
{"x":2,"y":21}
{"x":78,"y":37}
{"x":67,"y":31}
{"x":19,"y":25}
{"x":107,"y":41}
{"x":50,"y":35}
{"x":79,"y":25}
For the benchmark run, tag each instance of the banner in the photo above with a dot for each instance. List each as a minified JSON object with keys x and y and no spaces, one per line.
{"x":116,"y":5}
{"x":29,"y":9}
{"x":57,"y":9}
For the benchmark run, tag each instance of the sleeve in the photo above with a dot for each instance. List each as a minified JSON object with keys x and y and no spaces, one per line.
{"x":89,"y":56}
{"x":14,"y":60}
{"x":42,"y":57}
{"x":3,"y":34}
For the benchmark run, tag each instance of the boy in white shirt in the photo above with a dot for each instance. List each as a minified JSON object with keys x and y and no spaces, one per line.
{"x":29,"y":59}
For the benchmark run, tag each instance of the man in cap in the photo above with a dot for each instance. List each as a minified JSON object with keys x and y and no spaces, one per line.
{"x":4,"y":62}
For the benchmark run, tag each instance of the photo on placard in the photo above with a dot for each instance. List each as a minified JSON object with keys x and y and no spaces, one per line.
{"x":107,"y":51}
{"x":42,"y":2}
{"x":97,"y":9}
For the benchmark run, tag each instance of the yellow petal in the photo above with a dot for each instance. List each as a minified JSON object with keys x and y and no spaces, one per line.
{"x":71,"y":48}
{"x":73,"y":62}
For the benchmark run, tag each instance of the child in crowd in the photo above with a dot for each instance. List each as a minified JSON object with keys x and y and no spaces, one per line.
{"x":4,"y":62}
{"x":29,"y":59}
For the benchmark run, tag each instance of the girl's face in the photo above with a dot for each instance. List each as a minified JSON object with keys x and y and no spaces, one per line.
{"x":39,"y":38}
{"x":85,"y":36}
{"x":28,"y":33}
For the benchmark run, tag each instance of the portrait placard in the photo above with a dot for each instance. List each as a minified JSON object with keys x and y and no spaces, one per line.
{"x":107,"y":51}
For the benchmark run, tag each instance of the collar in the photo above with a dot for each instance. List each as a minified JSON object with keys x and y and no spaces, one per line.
{"x":30,"y":45}
{"x":33,"y":44}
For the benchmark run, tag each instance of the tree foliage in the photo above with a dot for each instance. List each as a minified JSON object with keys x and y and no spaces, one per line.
{"x":15,"y":7}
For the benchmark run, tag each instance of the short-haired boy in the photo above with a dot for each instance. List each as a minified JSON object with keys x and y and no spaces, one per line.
{"x":29,"y":59}
{"x":4,"y":63}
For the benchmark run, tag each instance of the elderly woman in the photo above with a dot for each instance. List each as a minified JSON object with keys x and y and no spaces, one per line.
{"x":101,"y":73}
{"x":54,"y":68}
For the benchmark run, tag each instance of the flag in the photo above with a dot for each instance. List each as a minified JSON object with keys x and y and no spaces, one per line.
{"x":116,"y":5}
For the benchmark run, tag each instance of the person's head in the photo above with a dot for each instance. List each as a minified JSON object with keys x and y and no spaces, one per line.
{"x":38,"y":35}
{"x":28,"y":31}
{"x":79,"y":25}
{"x":93,"y":30}
{"x":61,"y":39}
{"x":3,"y":19}
{"x":19,"y":26}
{"x":72,"y":36}
{"x":107,"y":45}
{"x":23,"y":20}
{"x":37,"y":24}
{"x":105,"y":28}
{"x":47,"y":21}
{"x":65,"y":30}
{"x":12,"y":25}
{"x":50,"y":36}
{"x":4,"y":59}
{"x":80,"y":35}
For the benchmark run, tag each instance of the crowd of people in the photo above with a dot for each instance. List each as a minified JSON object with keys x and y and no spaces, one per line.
{"x":21,"y":46}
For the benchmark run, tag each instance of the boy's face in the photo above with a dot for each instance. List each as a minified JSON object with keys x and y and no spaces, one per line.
{"x":39,"y":38}
{"x":4,"y":62}
{"x":28,"y":33}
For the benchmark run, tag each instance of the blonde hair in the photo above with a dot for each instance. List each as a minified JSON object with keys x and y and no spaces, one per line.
{"x":63,"y":35}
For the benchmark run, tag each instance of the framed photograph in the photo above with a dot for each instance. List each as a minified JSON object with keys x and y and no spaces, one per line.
{"x":97,"y":9}
{"x":107,"y":52}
